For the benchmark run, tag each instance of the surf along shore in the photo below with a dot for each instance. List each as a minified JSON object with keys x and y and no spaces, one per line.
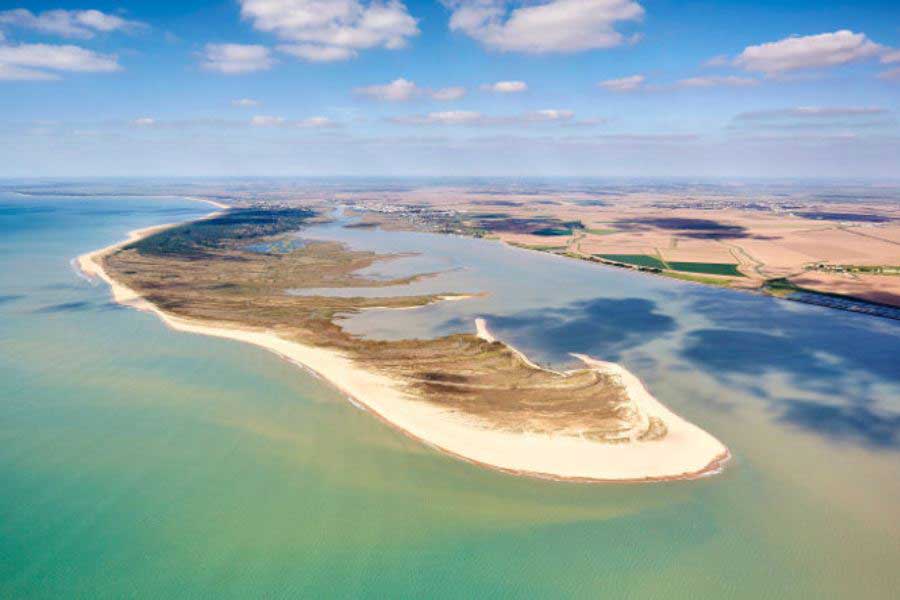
{"x":651,"y":444}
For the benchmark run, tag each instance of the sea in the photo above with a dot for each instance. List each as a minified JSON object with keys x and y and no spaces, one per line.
{"x":140,"y":462}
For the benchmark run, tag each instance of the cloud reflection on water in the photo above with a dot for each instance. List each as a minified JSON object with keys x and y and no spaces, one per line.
{"x":602,"y":326}
{"x":840,"y":359}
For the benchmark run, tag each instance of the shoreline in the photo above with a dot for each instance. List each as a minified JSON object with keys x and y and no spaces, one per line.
{"x":756,"y":291}
{"x":686,"y":452}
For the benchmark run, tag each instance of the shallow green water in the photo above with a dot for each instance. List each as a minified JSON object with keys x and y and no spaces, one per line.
{"x":140,"y":462}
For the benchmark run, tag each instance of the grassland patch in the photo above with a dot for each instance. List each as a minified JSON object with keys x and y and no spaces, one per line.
{"x":637,"y":260}
{"x":724,"y":269}
{"x":198,"y":239}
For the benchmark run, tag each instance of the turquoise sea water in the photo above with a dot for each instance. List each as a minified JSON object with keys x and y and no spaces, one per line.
{"x":140,"y":462}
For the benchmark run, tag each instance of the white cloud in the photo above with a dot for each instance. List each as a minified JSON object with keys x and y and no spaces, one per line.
{"x":729,"y":80}
{"x":448,"y":94}
{"x":331,"y":30}
{"x":450,"y":117}
{"x":807,"y":52}
{"x":638,"y":83}
{"x":549,"y":115}
{"x":37,"y":62}
{"x":266,"y":121}
{"x":402,"y":90}
{"x":310,"y":123}
{"x":235,"y":59}
{"x":632,"y":83}
{"x":505,"y":87}
{"x":890,"y":57}
{"x":465,"y":117}
{"x":217,"y":124}
{"x":82,"y":24}
{"x":13,"y":73}
{"x":547,"y":26}
{"x":314,"y":53}
{"x":245,"y":102}
{"x":399,"y":90}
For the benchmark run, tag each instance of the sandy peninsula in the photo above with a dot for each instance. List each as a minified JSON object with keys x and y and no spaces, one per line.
{"x":685,"y":452}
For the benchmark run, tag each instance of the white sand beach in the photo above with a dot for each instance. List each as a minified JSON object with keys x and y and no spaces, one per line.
{"x":685,"y":452}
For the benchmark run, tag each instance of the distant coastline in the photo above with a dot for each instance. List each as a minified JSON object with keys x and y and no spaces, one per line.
{"x":834,"y":301}
{"x":686,"y":452}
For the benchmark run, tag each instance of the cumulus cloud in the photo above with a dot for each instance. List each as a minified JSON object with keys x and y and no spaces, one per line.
{"x":505,"y":87}
{"x":38,"y":62}
{"x":245,"y":102}
{"x":808,"y":52}
{"x":144,"y":121}
{"x":632,"y":83}
{"x":83,"y":24}
{"x":236,"y":59}
{"x":546,"y":26}
{"x":402,"y":90}
{"x":332,"y":30}
{"x":314,"y":53}
{"x":465,"y":117}
{"x":399,"y":90}
{"x":890,"y":57}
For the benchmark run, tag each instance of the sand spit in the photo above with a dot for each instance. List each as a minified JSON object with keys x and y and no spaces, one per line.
{"x":685,"y":452}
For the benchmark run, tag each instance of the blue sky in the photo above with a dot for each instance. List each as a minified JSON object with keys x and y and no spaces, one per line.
{"x":459,"y":87}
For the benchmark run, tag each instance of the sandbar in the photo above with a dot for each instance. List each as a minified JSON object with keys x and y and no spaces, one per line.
{"x":685,"y":452}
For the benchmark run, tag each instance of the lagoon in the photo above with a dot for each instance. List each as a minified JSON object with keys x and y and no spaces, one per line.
{"x":143,"y":462}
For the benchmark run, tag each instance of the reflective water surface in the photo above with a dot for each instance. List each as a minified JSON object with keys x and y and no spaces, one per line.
{"x":141,"y":462}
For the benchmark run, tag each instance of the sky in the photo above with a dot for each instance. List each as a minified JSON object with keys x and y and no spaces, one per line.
{"x":650,"y":88}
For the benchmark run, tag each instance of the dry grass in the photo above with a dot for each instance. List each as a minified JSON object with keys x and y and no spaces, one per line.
{"x":227,"y":283}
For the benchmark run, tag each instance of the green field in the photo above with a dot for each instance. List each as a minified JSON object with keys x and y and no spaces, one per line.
{"x":538,"y":247}
{"x":552,"y":231}
{"x":638,"y":260}
{"x":645,"y":260}
{"x":726,"y":269}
